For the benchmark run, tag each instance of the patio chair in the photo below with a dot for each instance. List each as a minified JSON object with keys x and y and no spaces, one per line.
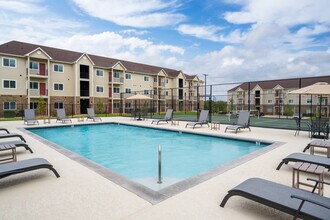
{"x":4,"y":129}
{"x":320,"y":129}
{"x":296,"y":202}
{"x":11,"y":135}
{"x":30,"y":117}
{"x":168,"y":117}
{"x":243,"y":121}
{"x":61,"y":116}
{"x":8,"y":169}
{"x":91,"y":115}
{"x":320,"y":144}
{"x":306,"y":158}
{"x":18,"y":144}
{"x":203,"y":119}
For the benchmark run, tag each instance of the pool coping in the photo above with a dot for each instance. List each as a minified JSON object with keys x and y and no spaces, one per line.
{"x":142,"y":191}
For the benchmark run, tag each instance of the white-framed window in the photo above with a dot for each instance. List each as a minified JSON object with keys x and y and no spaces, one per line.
{"x":128,"y":105}
{"x":34,"y":65}
{"x":99,"y":89}
{"x":128,"y":76}
{"x":155,"y":80}
{"x":9,"y":106}
{"x":269,"y":101}
{"x":269,"y":92}
{"x":59,"y":68}
{"x":34,"y":85}
{"x":116,"y":105}
{"x":9,"y":62}
{"x":166,"y":93}
{"x":128,"y":90}
{"x":308,"y":101}
{"x":116,"y":75}
{"x":166,"y":80}
{"x":146,"y":92}
{"x":269,"y":110}
{"x":99,"y":73}
{"x":34,"y":105}
{"x":9,"y":84}
{"x":146,"y":78}
{"x":291,"y":101}
{"x":58,"y":87}
{"x":116,"y":90}
{"x":308,"y":111}
{"x":58,"y":105}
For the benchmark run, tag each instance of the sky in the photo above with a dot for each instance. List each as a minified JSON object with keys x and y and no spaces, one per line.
{"x":229,"y":40}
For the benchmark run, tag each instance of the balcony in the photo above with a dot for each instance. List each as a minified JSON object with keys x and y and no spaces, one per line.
{"x":159,"y":84}
{"x":38,"y":93}
{"x":161,"y":97}
{"x":84,"y":93}
{"x":38,"y":73}
{"x":84,"y":75}
{"x":116,"y":96}
{"x":118,"y":80}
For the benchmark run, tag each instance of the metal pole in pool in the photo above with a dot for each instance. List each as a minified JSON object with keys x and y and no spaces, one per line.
{"x":159,"y":164}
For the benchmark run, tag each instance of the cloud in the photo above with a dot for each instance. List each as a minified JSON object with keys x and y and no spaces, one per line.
{"x":22,"y":6}
{"x":211,"y":32}
{"x":134,"y":13}
{"x":134,"y":32}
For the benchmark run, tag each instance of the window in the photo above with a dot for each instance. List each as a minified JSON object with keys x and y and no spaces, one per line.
{"x":58,"y":68}
{"x":116,"y":90}
{"x":9,"y":106}
{"x":166,"y":93}
{"x":99,"y":73}
{"x":9,"y":84}
{"x":34,"y":85}
{"x":290,"y":101}
{"x":128,"y":90}
{"x":58,"y":86}
{"x":34,"y":65}
{"x":146,"y":92}
{"x":33,"y":105}
{"x":128,"y":105}
{"x":166,"y":80}
{"x":155,"y":80}
{"x":9,"y":62}
{"x":58,"y":105}
{"x":99,"y":89}
{"x":308,"y":111}
{"x":146,"y":78}
{"x":116,"y":74}
{"x":128,"y":76}
{"x":116,"y":105}
{"x":269,"y":92}
{"x":308,"y":101}
{"x":269,"y":101}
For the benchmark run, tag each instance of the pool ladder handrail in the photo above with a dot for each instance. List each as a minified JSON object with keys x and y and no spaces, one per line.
{"x":159,"y":164}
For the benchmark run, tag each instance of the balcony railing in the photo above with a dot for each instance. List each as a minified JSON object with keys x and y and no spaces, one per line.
{"x":118,"y":80}
{"x":34,"y":72}
{"x":84,"y":93}
{"x":37,"y":93}
{"x":116,"y":96}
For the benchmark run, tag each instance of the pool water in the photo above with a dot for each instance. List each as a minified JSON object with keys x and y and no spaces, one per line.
{"x":133,"y":151}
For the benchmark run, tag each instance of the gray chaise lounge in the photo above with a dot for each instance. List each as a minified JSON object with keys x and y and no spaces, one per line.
{"x":11,"y":135}
{"x":4,"y":129}
{"x":243,"y":121}
{"x":8,"y":169}
{"x":30,"y":117}
{"x":296,"y":202}
{"x":300,"y":157}
{"x":319,"y":143}
{"x":18,"y":144}
{"x":91,"y":115}
{"x":168,"y":117}
{"x":61,"y":116}
{"x":203,"y":119}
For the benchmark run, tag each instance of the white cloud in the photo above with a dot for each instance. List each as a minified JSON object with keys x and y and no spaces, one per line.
{"x":133,"y":13}
{"x":22,"y":6}
{"x":211,"y":32}
{"x":134,"y":32}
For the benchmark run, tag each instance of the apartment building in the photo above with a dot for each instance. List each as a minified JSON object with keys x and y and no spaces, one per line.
{"x":272,"y":97}
{"x":75,"y":80}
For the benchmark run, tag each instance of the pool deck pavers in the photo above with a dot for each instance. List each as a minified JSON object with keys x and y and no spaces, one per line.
{"x":81,"y":193}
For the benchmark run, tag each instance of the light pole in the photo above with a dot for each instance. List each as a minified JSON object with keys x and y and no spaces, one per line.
{"x":205,"y":75}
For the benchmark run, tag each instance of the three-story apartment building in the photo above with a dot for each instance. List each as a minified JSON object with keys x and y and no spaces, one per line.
{"x":74,"y":80}
{"x":272,"y":96}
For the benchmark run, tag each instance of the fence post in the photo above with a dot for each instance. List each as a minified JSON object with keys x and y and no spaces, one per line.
{"x":210,"y":104}
{"x":249,"y":96}
{"x":198,"y":104}
{"x":299,"y":107}
{"x":22,"y":111}
{"x":72,"y":110}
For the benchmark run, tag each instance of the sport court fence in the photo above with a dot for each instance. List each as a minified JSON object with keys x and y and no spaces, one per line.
{"x":270,"y":104}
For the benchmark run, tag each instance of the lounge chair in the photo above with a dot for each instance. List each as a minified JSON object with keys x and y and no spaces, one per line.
{"x":91,"y":115}
{"x":11,"y":135}
{"x":18,"y":144}
{"x":320,"y":144}
{"x":296,"y":202}
{"x":8,"y":169}
{"x":203,"y":119}
{"x":300,"y":157}
{"x":30,"y":117}
{"x":61,"y":116}
{"x":4,"y":129}
{"x":168,"y":117}
{"x":243,"y":121}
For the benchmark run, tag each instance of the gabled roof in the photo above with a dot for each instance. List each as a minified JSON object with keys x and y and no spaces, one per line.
{"x":21,"y":49}
{"x":285,"y":83}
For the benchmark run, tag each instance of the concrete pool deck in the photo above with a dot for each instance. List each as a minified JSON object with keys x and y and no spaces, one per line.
{"x":81,"y":193}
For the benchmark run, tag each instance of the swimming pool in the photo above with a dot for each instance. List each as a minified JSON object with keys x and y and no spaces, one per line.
{"x":133,"y":151}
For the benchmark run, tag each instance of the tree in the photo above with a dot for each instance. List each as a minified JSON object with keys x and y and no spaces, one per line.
{"x":99,"y":106}
{"x":41,"y":106}
{"x":288,"y":110}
